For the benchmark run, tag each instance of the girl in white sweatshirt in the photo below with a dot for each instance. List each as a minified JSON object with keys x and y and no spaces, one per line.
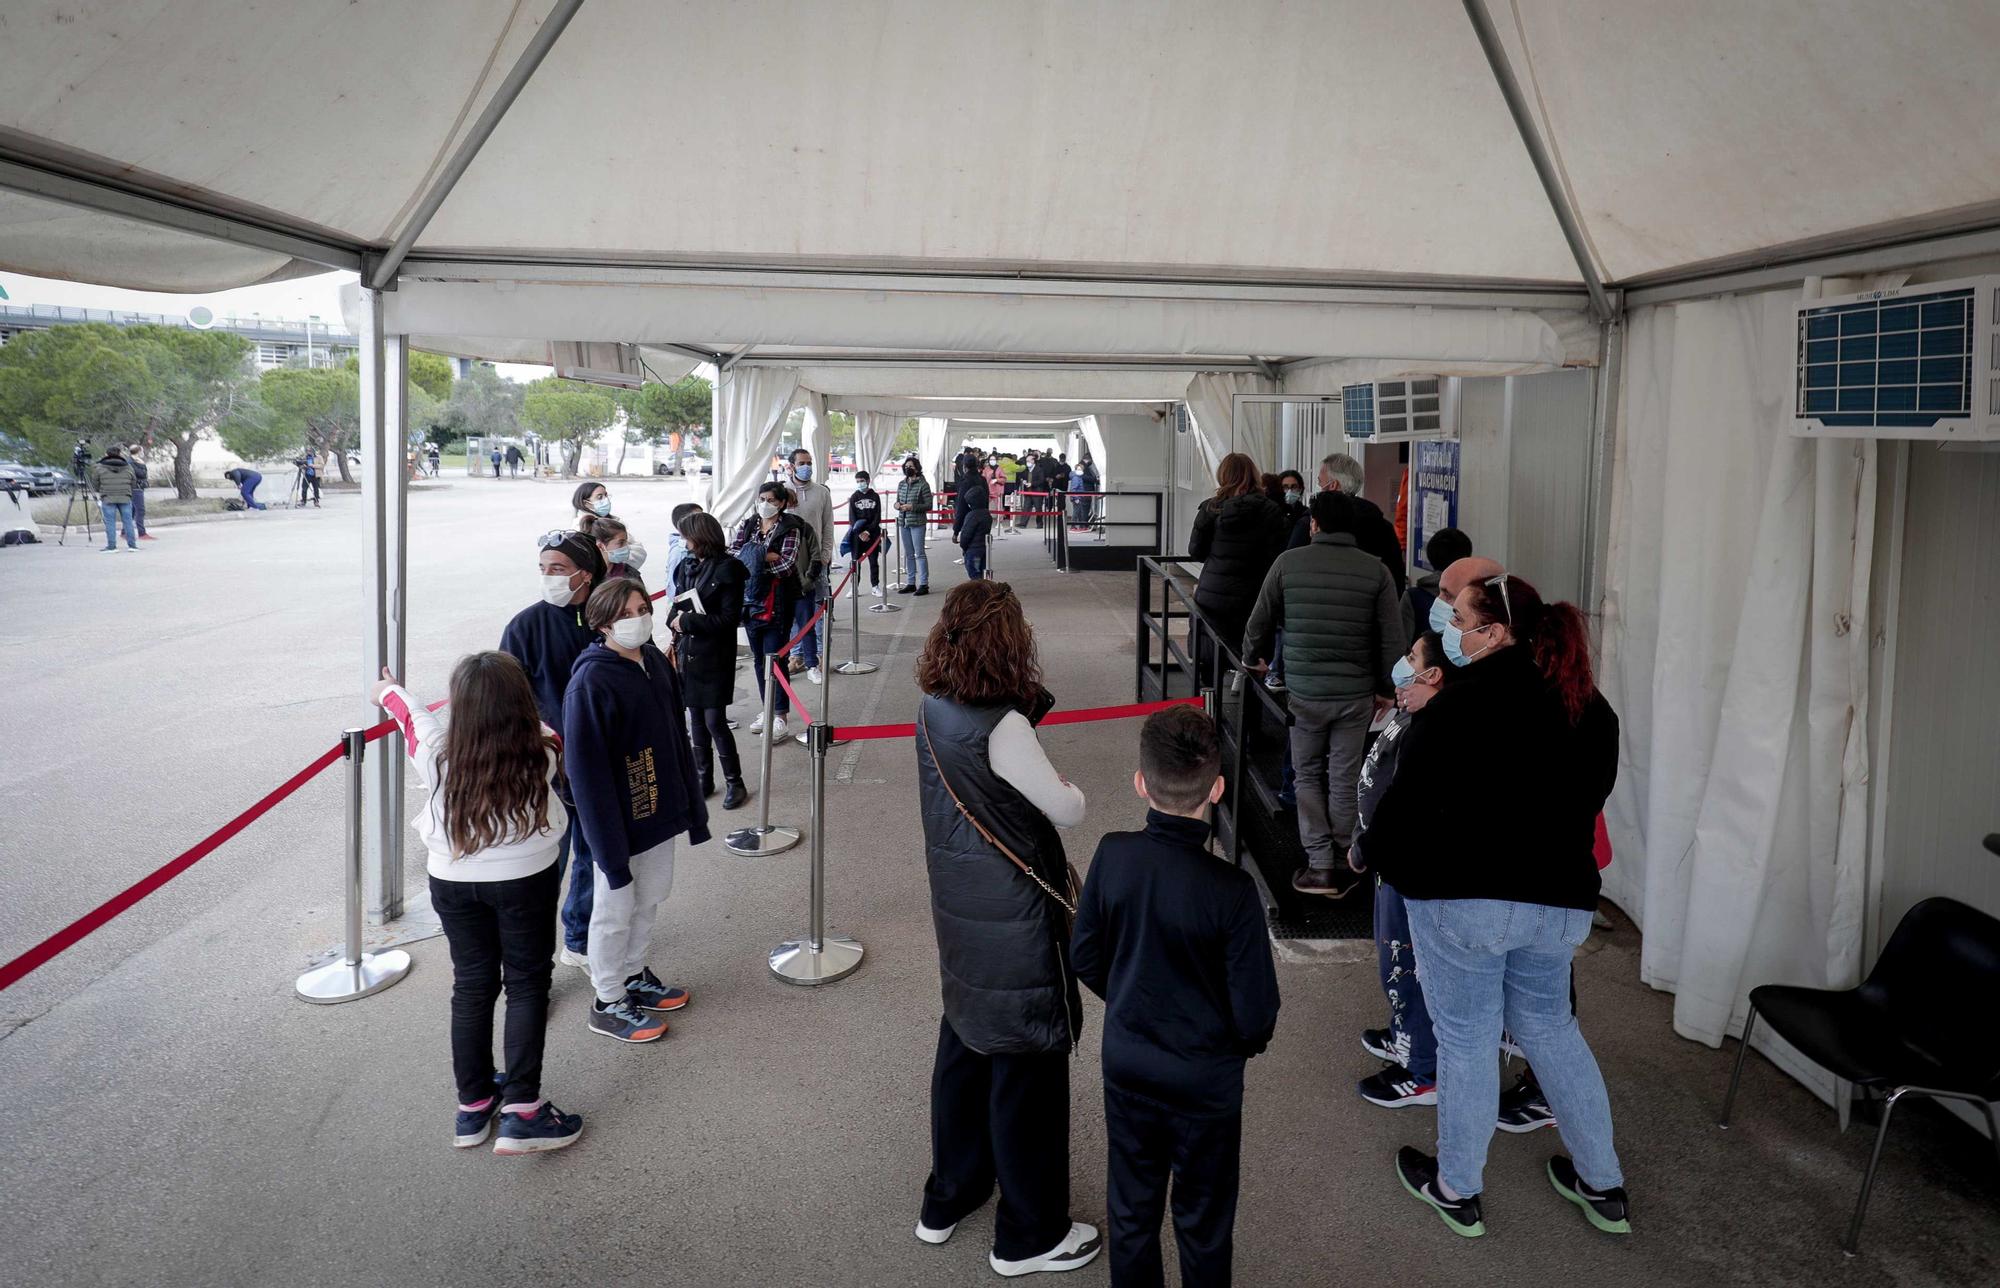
{"x":492,"y":826}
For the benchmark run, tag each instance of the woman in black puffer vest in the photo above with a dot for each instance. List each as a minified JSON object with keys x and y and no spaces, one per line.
{"x":1238,"y":533}
{"x":1012,"y":1016}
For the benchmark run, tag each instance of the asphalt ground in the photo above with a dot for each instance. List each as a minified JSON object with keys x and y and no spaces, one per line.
{"x":176,"y":1116}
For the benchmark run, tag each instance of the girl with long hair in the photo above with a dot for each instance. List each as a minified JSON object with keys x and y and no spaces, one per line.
{"x":492,"y":828}
{"x":1001,"y":896}
{"x":1238,"y":533}
{"x":705,"y":651}
{"x":622,"y":555}
{"x":1499,"y":874}
{"x":625,"y":745}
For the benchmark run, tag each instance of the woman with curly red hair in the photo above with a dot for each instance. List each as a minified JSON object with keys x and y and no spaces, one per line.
{"x":1499,"y":875}
{"x":1001,"y":898}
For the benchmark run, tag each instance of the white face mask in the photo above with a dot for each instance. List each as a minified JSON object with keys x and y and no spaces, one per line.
{"x":631,"y":632}
{"x":767,"y":510}
{"x":557,"y":588}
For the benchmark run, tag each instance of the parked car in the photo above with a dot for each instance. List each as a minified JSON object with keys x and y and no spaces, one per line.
{"x":50,"y":478}
{"x":16,"y":477}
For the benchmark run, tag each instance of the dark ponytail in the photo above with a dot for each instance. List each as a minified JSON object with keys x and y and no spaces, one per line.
{"x":1553,"y":633}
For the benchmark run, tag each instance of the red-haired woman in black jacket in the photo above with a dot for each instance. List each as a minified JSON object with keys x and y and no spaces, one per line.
{"x":1488,"y":834}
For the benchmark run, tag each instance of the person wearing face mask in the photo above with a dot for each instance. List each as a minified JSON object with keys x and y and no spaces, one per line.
{"x":615,"y":543}
{"x":1372,"y":530}
{"x":546,"y":638}
{"x":864,"y":532}
{"x":813,"y":507}
{"x":625,"y":747}
{"x":913,"y":509}
{"x":769,"y":543}
{"x":1499,"y":908}
{"x":705,"y":651}
{"x":590,"y":498}
{"x":1407,"y":1044}
{"x":1442,"y":549}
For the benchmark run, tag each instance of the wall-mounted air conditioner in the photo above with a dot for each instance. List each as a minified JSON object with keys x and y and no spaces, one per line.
{"x":1912,"y":362}
{"x":1399,"y":411}
{"x":597,"y":362}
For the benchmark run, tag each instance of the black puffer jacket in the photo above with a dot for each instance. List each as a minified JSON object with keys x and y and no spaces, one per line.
{"x":707,"y":647}
{"x":1002,"y":952}
{"x":1235,"y":541}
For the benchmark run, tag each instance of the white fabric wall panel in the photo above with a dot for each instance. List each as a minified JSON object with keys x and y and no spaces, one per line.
{"x":750,"y":409}
{"x":1548,"y":471}
{"x":1211,"y":401}
{"x":1484,"y":470}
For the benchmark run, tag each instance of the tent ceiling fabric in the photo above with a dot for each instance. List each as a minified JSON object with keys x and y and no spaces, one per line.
{"x":47,"y":239}
{"x":1259,"y":141}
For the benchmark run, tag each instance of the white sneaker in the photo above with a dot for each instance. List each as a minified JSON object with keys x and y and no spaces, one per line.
{"x":816,"y":675}
{"x":1077,"y":1250}
{"x":757,"y":726}
{"x":928,"y":1235}
{"x":570,"y":957}
{"x":877,"y":592}
{"x":778,"y":726}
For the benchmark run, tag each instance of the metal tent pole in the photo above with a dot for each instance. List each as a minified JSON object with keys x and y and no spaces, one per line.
{"x":354,"y":973}
{"x":815,"y":957}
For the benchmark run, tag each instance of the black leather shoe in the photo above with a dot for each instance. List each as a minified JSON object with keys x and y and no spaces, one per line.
{"x":736,"y":794}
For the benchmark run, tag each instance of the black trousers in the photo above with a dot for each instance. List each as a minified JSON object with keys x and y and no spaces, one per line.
{"x":499,"y":930}
{"x":1147,"y":1142}
{"x":1000,"y":1118}
{"x":709,"y":727}
{"x":308,"y":483}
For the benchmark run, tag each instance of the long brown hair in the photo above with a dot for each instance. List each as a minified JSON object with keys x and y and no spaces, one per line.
{"x":981,"y":650}
{"x":1235,"y":475}
{"x":703,"y":535}
{"x":495,"y":758}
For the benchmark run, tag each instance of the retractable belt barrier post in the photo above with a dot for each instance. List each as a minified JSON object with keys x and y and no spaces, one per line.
{"x":855,"y":666}
{"x":815,"y":957}
{"x":764,"y":839}
{"x":889,"y":605}
{"x":354,"y":973}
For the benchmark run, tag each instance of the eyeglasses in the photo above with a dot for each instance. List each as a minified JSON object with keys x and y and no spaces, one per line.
{"x":1506,"y":605}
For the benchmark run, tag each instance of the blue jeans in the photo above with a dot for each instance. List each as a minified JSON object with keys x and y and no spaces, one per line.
{"x":249,"y":489}
{"x":139,"y":509}
{"x":1491,"y":965}
{"x":975,"y":561}
{"x":1396,"y":959}
{"x":916,"y":562}
{"x":808,"y":648}
{"x":576,"y":903}
{"x":114,"y":514}
{"x":766,"y":638}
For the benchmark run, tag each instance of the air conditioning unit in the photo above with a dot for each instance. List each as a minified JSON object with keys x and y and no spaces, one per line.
{"x":1912,"y":362}
{"x":1399,"y":411}
{"x":597,"y":362}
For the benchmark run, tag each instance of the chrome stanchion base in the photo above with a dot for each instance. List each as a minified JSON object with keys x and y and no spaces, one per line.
{"x":795,"y":962}
{"x":885,"y":608}
{"x":757,"y":841}
{"x":343,"y":981}
{"x":856,"y":668}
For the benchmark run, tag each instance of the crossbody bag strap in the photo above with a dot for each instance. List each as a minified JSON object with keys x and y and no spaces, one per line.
{"x":992,"y":840}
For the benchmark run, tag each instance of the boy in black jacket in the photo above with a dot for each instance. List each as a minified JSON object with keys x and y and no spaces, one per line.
{"x":1173,"y":940}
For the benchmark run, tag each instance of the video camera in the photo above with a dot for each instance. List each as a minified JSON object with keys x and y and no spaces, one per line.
{"x":79,"y":460}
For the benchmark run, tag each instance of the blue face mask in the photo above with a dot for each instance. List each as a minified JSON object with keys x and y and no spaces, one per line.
{"x":1402,"y":675}
{"x":1440,"y":614}
{"x":1454,"y":646}
{"x":602,"y":505}
{"x":804,"y":473}
{"x":618,"y":555}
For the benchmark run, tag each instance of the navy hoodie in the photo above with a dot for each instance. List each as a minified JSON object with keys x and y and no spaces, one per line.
{"x":625,"y":745}
{"x":546,"y":640}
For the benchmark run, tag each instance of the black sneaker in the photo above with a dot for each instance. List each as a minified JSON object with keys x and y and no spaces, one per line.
{"x":923,"y":590}
{"x":1396,"y":1088}
{"x":646,"y":992}
{"x":549,"y":1128}
{"x":1419,"y":1173}
{"x":1522,"y":1109}
{"x":474,"y":1124}
{"x":1606,"y":1209}
{"x":1381,"y":1043}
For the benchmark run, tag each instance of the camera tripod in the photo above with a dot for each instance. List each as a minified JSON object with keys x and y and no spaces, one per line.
{"x":78,"y":491}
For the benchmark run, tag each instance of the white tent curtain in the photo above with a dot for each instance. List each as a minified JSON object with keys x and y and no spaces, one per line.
{"x":818,"y":436}
{"x":873,"y":432}
{"x":750,"y":408}
{"x":1210,"y":397}
{"x":1735,"y":651}
{"x":930,"y":448}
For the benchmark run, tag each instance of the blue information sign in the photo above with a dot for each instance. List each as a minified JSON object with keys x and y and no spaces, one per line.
{"x":1433,"y":494}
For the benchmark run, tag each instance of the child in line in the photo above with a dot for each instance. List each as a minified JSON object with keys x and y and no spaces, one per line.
{"x":491,"y":829}
{"x":625,"y":744}
{"x":677,"y":548}
{"x":864,"y":530}
{"x":1174,"y":941}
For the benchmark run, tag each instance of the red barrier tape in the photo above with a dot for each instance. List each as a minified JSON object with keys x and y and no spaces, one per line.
{"x":1076,"y":715}
{"x":777,"y":672}
{"x":41,"y":953}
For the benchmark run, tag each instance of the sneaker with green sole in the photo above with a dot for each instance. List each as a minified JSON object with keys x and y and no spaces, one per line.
{"x":1608,"y":1210}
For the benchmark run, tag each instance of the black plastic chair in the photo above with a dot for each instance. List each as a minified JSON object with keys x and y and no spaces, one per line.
{"x":1920,"y":1025}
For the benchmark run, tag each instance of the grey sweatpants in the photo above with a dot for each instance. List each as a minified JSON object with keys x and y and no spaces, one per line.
{"x":621,"y":921}
{"x":1328,"y":735}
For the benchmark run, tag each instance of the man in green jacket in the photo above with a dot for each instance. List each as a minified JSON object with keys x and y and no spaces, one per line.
{"x":113,"y":480}
{"x":1343,"y":634}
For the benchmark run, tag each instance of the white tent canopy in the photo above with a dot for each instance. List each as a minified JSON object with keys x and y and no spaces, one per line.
{"x":1048,"y":208}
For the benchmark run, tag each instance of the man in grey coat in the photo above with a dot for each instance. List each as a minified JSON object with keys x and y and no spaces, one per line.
{"x":1343,"y":633}
{"x":815,"y":510}
{"x":113,"y":480}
